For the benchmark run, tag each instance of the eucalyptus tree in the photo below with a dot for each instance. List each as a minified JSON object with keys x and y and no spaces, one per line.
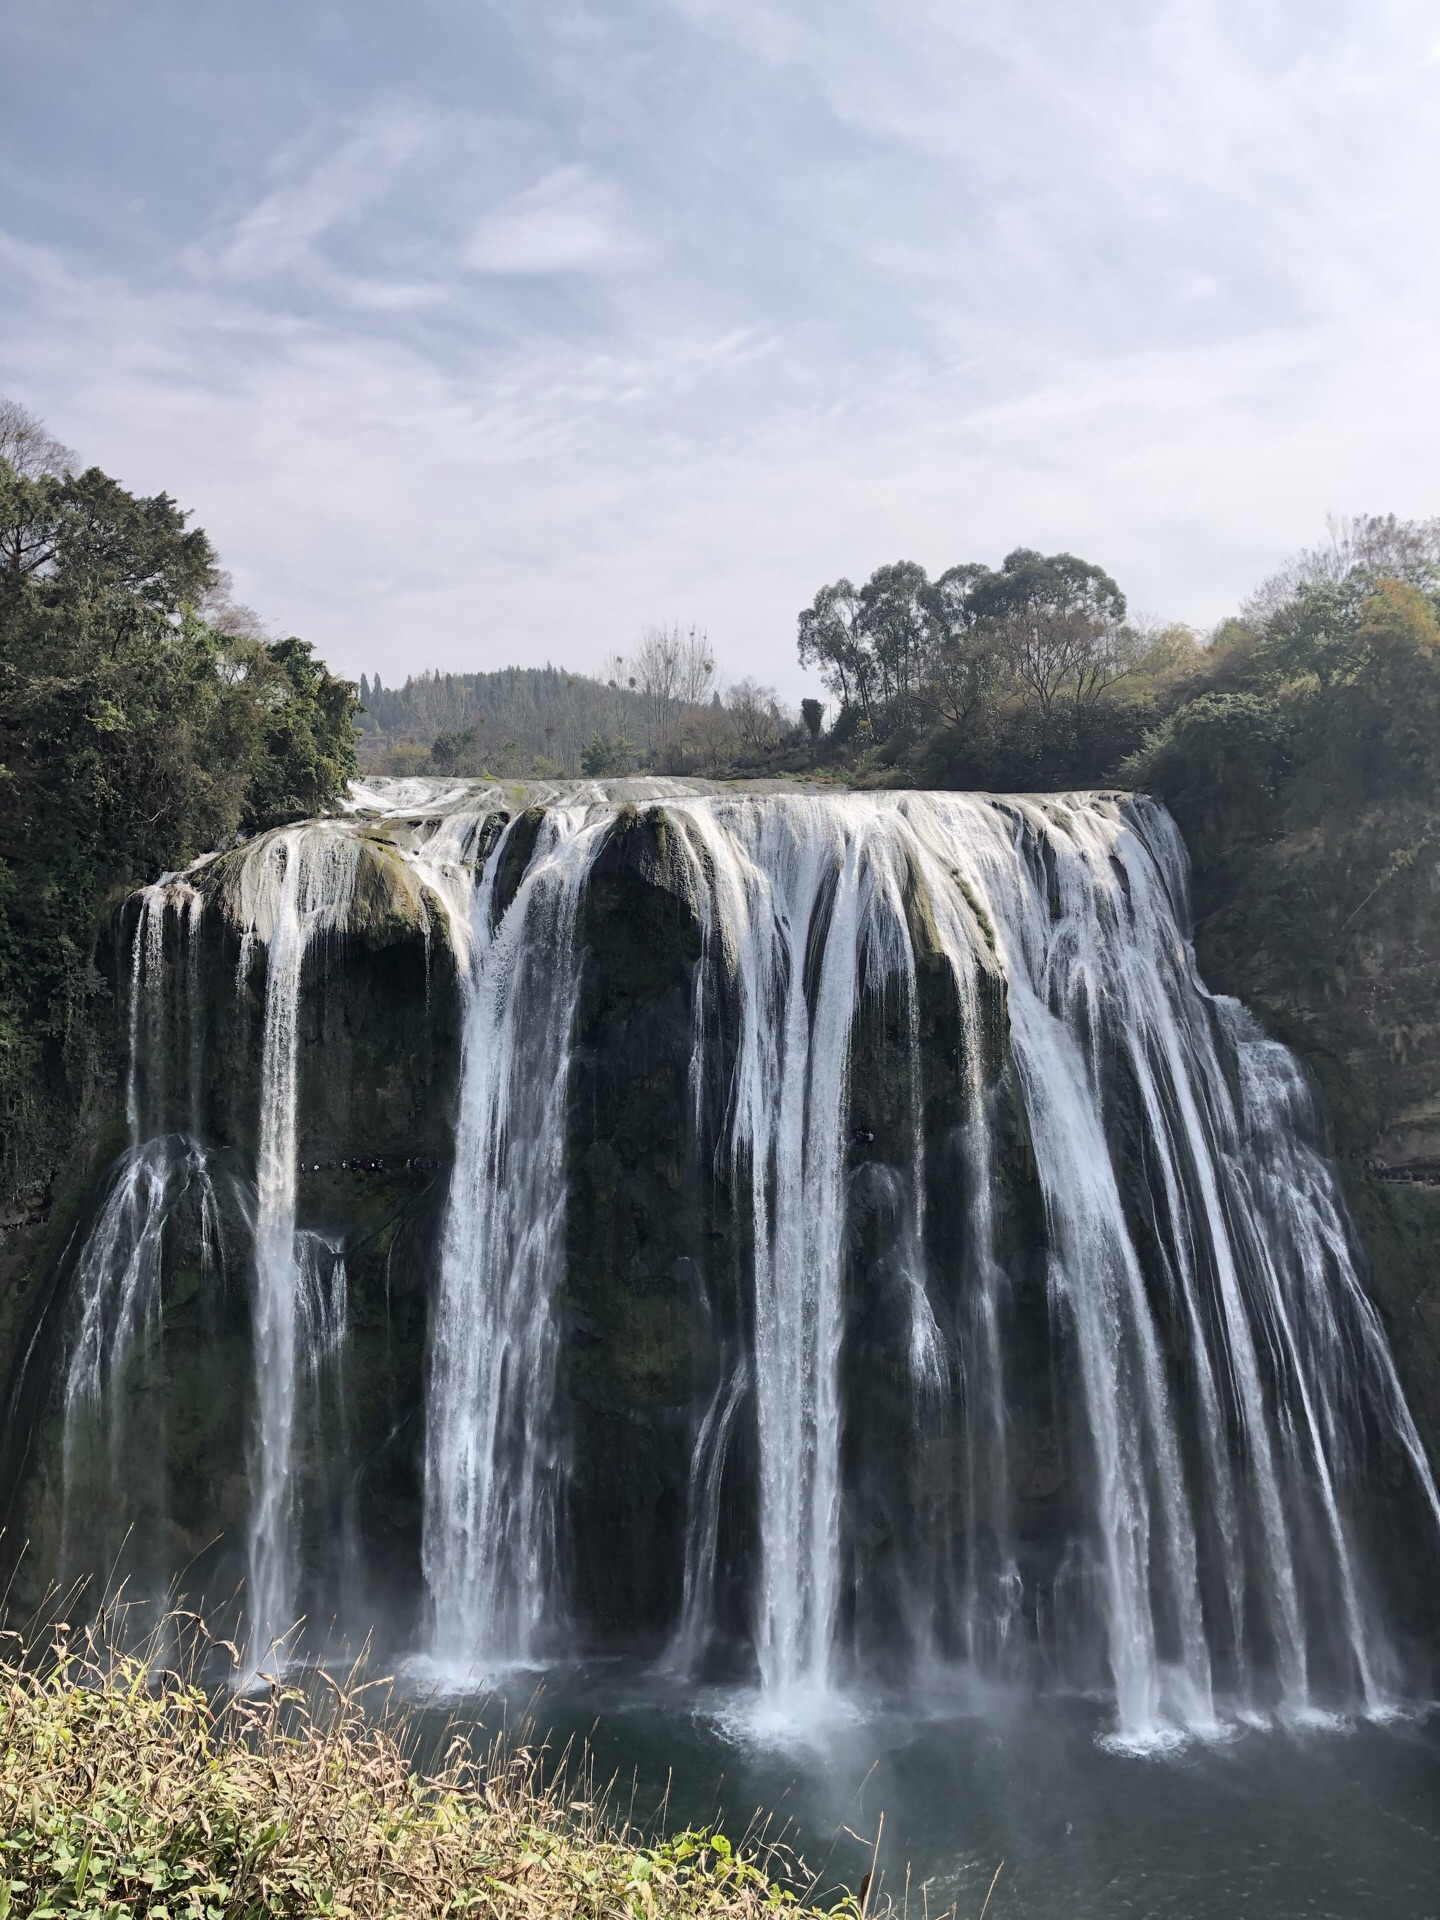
{"x":834,"y":641}
{"x":1059,"y":625}
{"x":905,"y":652}
{"x":897,"y":626}
{"x":964,"y":658}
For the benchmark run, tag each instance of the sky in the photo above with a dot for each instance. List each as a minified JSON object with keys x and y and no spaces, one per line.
{"x":480,"y":332}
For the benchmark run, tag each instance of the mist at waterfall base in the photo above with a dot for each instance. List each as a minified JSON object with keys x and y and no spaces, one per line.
{"x":825,"y":1286}
{"x":1272,"y":1826}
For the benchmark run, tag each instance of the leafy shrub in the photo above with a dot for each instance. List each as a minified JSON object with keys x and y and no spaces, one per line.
{"x":127,"y":1789}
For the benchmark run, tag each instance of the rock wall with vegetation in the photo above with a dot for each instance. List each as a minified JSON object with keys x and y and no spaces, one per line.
{"x":1304,"y":779}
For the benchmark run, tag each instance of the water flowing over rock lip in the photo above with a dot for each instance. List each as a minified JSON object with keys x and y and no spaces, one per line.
{"x":806,"y":900}
{"x":388,"y":795}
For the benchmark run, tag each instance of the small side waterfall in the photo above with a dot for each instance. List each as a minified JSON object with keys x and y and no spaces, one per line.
{"x":112,"y":1398}
{"x":702,"y":1519}
{"x":112,"y":1395}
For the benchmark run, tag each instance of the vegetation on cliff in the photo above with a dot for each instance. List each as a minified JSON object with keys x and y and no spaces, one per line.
{"x":128,"y":1789}
{"x":1302,"y":768}
{"x":143,"y":720}
{"x":1034,"y":676}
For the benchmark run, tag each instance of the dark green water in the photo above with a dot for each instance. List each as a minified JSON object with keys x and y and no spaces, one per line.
{"x":1264,"y":1825}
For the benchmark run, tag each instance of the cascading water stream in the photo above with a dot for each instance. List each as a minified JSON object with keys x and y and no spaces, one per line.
{"x":116,"y":1286}
{"x":298,"y":885}
{"x":1145,"y":1531}
{"x":792,"y":907}
{"x":489,"y":1463}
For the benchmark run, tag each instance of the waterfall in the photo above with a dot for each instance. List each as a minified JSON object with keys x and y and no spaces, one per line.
{"x":805,"y":908}
{"x":1132,"y":1384}
{"x":802,"y":902}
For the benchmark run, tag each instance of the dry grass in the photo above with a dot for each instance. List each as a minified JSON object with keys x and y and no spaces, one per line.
{"x":127,"y":1788}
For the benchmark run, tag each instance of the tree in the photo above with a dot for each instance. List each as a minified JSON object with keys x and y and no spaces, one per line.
{"x":133,"y":735}
{"x":964,"y":659}
{"x":1059,"y":625}
{"x":26,"y":446}
{"x":812,"y":716}
{"x":1377,"y":546}
{"x":607,"y":754}
{"x":755,"y":715}
{"x":902,"y":652}
{"x":833,"y":641}
{"x":710,"y":738}
{"x":671,"y":669}
{"x":1336,"y":710}
{"x":895,"y":627}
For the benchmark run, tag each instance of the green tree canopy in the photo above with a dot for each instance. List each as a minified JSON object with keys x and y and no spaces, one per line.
{"x":133,"y":735}
{"x":1044,"y":636}
{"x":1330,"y":703}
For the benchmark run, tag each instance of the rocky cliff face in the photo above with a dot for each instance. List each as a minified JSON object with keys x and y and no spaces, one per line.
{"x":378,"y":1047}
{"x":1332,"y":937}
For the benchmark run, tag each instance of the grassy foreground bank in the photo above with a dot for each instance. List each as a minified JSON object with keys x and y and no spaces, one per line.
{"x":127,"y":1789}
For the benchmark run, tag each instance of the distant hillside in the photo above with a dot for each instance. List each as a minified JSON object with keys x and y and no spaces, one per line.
{"x":502,"y":723}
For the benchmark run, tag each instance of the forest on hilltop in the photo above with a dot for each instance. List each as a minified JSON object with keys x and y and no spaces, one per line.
{"x":659,"y":708}
{"x":518,"y":721}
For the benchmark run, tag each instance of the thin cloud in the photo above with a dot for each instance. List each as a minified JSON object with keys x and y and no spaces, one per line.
{"x":569,"y":222}
{"x":334,"y":190}
{"x":697,"y":308}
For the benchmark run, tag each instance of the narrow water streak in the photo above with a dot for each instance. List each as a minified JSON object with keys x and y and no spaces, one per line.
{"x":490,"y":1462}
{"x":299,"y":888}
